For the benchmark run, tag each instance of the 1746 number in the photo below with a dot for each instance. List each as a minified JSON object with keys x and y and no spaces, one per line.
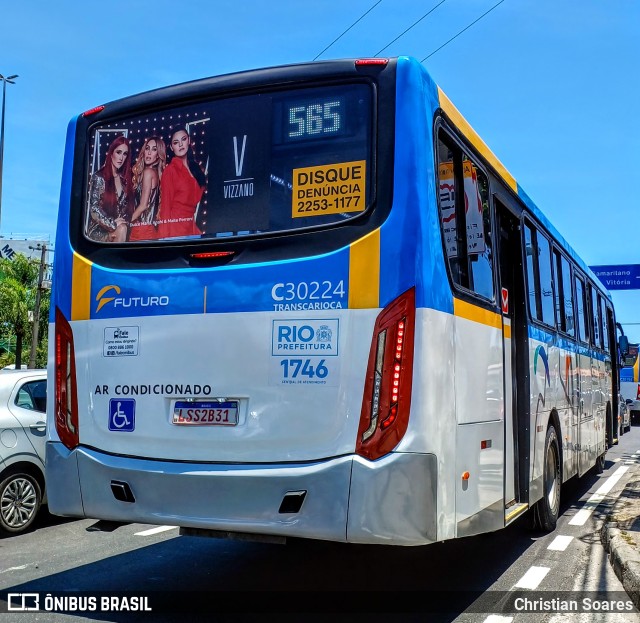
{"x":293,"y":368}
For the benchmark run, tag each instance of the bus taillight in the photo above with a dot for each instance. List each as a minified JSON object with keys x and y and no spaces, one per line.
{"x":387,"y":391}
{"x":638,"y":392}
{"x":92,"y":111}
{"x":66,"y":397}
{"x":371,"y":61}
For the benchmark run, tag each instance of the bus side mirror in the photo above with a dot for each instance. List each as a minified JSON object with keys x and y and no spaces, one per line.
{"x":628,"y":352}
{"x":623,"y":344}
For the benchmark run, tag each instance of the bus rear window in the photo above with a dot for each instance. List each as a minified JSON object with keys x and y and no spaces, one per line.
{"x":248,"y":165}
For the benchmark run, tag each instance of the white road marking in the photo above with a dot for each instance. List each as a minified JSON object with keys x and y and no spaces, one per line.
{"x":592,"y":503}
{"x":497,"y":618}
{"x":532,"y":578}
{"x":560,"y":543}
{"x":14,"y":568}
{"x":155,"y":530}
{"x":634,"y":457}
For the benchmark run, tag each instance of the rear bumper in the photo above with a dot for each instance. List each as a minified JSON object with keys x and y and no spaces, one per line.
{"x":348,"y":499}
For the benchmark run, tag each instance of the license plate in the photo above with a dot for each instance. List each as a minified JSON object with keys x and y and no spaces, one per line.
{"x":206,"y":413}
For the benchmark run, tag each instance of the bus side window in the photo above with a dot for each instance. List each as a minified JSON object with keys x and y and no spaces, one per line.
{"x":605,"y":327}
{"x":532,"y":268}
{"x":546,"y":281}
{"x":465,"y":218}
{"x":539,"y":279}
{"x":582,"y":311}
{"x":479,"y":240}
{"x":557,"y":269}
{"x":447,"y":191}
{"x":567,"y":297}
{"x":595,"y":318}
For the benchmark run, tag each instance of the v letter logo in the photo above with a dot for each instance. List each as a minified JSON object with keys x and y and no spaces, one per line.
{"x":240,"y":161}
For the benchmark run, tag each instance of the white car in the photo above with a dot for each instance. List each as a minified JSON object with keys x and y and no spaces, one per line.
{"x":625,"y":415}
{"x":23,"y":406}
{"x":629,"y":391}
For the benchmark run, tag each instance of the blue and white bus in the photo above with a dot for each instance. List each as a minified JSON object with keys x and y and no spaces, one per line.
{"x":630,"y":387}
{"x":362,"y":331}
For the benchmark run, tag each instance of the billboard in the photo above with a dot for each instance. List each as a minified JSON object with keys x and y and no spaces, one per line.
{"x":31,"y":248}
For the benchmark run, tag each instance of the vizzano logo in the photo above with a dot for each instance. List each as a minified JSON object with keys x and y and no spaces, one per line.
{"x":102,"y":299}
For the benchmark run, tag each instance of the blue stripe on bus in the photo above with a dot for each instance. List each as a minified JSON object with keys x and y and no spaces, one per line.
{"x":312,"y":284}
{"x":551,"y":339}
{"x":62,"y":276}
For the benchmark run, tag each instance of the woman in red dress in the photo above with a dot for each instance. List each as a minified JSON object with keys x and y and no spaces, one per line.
{"x":181,"y":189}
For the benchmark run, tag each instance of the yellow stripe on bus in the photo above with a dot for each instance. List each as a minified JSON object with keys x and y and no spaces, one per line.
{"x":454,"y":114}
{"x":364,"y":272}
{"x":462,"y":309}
{"x":81,"y":289}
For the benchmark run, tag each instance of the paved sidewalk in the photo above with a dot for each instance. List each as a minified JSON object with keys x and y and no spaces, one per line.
{"x":620,"y":536}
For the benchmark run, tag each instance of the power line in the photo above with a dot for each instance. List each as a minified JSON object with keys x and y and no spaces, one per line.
{"x":348,"y":29}
{"x":466,"y":28}
{"x":410,"y":27}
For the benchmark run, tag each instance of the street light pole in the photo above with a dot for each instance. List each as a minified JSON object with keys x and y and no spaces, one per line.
{"x":10,"y":80}
{"x":36,"y":312}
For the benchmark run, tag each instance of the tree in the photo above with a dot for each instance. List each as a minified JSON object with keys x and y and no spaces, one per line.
{"x":18,"y":285}
{"x":42,"y":352}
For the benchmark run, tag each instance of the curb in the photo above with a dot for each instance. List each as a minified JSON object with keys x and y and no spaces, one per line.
{"x":624,"y":558}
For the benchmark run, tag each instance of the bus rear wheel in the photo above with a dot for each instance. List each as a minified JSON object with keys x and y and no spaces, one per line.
{"x":546,"y":510}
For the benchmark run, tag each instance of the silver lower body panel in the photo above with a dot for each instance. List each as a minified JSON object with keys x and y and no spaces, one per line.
{"x":347,"y":499}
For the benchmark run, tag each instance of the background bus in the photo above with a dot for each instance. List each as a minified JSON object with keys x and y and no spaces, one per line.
{"x":343,"y":319}
{"x":629,"y":386}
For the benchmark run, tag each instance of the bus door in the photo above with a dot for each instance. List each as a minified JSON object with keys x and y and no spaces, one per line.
{"x":516,"y":391}
{"x":585,"y":436}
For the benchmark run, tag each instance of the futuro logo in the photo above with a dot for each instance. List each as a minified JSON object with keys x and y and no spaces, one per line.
{"x":103,"y":300}
{"x":109,"y":293}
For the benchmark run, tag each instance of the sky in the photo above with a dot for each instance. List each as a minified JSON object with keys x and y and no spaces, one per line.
{"x":552,"y":86}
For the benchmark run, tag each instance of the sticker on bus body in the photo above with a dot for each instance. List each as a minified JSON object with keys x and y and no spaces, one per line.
{"x":329,"y":189}
{"x":122,"y":415}
{"x":120,"y":341}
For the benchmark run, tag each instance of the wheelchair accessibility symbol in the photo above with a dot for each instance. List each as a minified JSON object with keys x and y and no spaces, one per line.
{"x":122,"y":414}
